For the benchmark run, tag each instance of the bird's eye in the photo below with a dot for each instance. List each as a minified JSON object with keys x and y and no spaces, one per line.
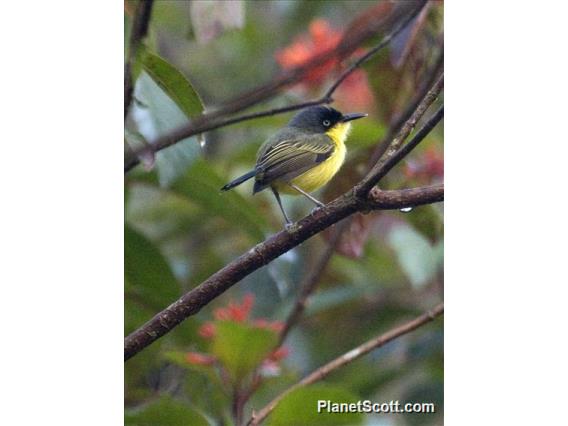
{"x":326,"y":123}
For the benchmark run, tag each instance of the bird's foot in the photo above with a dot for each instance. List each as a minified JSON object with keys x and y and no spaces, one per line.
{"x":291,"y":226}
{"x":315,"y":209}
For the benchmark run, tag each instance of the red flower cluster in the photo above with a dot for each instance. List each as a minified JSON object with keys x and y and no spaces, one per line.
{"x":239,"y":313}
{"x":354,"y":92}
{"x":321,"y":39}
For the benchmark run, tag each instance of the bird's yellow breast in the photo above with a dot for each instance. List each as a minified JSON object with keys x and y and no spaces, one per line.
{"x":321,"y":174}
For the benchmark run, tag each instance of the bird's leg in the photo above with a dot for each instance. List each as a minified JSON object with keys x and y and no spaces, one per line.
{"x":301,"y":191}
{"x":275,"y":192}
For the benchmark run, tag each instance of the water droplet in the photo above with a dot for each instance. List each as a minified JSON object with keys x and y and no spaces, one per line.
{"x":201,"y":139}
{"x":406,"y":209}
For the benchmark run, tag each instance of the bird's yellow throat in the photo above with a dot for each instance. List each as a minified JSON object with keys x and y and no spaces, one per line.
{"x":324,"y":172}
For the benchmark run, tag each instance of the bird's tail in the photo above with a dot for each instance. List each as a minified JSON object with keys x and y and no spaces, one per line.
{"x":239,"y":180}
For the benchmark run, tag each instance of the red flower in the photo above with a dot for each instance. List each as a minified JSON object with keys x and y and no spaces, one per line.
{"x":276,"y":326}
{"x":235,"y":312}
{"x":199,"y":358}
{"x":354,"y":93}
{"x":207,"y":330}
{"x":321,"y":39}
{"x":279,"y":354}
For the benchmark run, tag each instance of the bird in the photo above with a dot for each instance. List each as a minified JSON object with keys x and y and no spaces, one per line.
{"x":302,"y":156}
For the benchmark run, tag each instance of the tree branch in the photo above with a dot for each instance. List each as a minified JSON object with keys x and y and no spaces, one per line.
{"x":402,"y":14}
{"x":268,"y":250}
{"x":310,"y":281}
{"x":398,"y":121}
{"x":340,"y":208}
{"x":137,"y":33}
{"x":381,"y":168}
{"x":348,"y":358}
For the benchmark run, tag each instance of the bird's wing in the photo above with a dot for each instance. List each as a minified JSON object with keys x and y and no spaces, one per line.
{"x":291,"y":157}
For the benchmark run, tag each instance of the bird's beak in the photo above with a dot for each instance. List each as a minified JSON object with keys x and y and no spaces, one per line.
{"x":353,"y":116}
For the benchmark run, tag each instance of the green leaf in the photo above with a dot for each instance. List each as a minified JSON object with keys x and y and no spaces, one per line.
{"x":164,"y":412}
{"x":147,"y":274}
{"x":156,"y":114}
{"x":300,"y":407}
{"x":415,"y":255}
{"x":172,"y":82}
{"x":241,"y":347}
{"x":202,"y":185}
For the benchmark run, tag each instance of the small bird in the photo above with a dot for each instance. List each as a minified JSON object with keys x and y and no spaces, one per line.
{"x":303,"y":156}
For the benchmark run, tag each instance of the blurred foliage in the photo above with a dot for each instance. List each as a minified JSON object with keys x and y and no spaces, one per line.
{"x":180,"y":228}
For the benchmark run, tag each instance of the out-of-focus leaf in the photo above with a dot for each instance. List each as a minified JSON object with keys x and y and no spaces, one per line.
{"x":301,"y":408}
{"x":352,"y":241}
{"x":213,"y":17}
{"x":160,"y":214}
{"x":202,"y":184}
{"x":147,"y":274}
{"x":164,"y":412}
{"x":401,"y":45}
{"x":241,"y":347}
{"x":172,"y":82}
{"x":155,"y":115}
{"x":414,"y":253}
{"x":428,"y":220}
{"x":336,"y":296}
{"x":208,"y":371}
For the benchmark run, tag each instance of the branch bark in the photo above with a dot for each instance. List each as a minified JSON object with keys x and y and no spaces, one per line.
{"x":380,"y":168}
{"x":348,"y":358}
{"x":311,"y":280}
{"x":138,"y":32}
{"x":401,"y":15}
{"x":353,"y":201}
{"x":268,"y":250}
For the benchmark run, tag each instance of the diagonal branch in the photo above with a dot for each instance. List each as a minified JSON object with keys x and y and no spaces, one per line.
{"x":138,"y":32}
{"x":263,"y":253}
{"x":348,"y":358}
{"x":380,"y":169}
{"x":311,"y":280}
{"x":268,"y":250}
{"x":401,"y":15}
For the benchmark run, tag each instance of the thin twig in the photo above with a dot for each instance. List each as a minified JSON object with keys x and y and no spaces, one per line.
{"x":217,"y":119}
{"x":398,"y":121}
{"x":311,"y":280}
{"x":139,"y":30}
{"x":378,"y":170}
{"x":395,"y":158}
{"x":348,"y":358}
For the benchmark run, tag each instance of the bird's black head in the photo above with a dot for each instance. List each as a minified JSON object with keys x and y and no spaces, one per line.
{"x":321,"y":119}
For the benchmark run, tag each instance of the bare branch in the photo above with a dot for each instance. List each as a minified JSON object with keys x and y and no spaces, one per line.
{"x":398,"y":121}
{"x":137,"y":34}
{"x":381,"y":168}
{"x":402,"y":14}
{"x":348,"y":358}
{"x":347,"y":204}
{"x":395,"y":158}
{"x":310,"y":281}
{"x":192,"y":302}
